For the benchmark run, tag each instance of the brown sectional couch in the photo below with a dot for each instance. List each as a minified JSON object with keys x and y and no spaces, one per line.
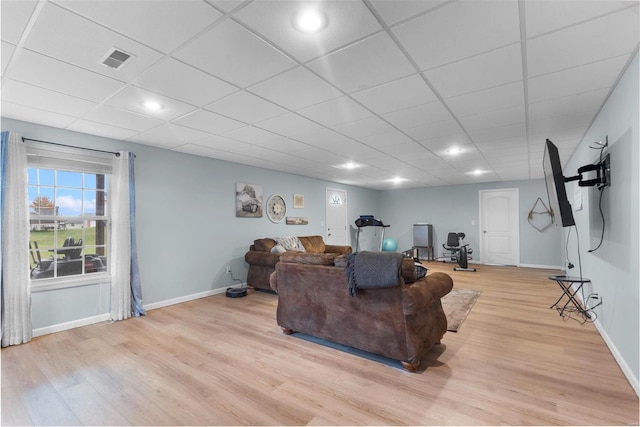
{"x":401,"y":322}
{"x":262,"y":261}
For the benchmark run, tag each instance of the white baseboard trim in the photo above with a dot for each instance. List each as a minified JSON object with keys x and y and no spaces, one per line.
{"x":185,"y":298}
{"x":70,"y":325}
{"x":546,"y":267}
{"x":626,"y":369}
{"x":104,"y":317}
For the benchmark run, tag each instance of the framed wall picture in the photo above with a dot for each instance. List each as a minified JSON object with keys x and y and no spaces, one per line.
{"x":297,"y":220}
{"x":249,"y":199}
{"x":298,"y":201}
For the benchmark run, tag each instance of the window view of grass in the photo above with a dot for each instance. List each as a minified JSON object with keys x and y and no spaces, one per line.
{"x":45,"y":239}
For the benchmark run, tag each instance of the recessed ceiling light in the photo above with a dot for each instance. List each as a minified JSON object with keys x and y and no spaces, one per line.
{"x":310,"y":21}
{"x":477,"y":172}
{"x":398,"y":180}
{"x":152,"y":105}
{"x":454,"y":150}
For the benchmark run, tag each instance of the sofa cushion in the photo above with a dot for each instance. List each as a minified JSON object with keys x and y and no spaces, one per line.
{"x":290,"y":243}
{"x":277,"y":249}
{"x":313,"y":244}
{"x":264,"y":245}
{"x":308,"y":258}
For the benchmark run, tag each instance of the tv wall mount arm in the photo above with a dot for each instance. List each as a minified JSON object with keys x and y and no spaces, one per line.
{"x":602,"y":171}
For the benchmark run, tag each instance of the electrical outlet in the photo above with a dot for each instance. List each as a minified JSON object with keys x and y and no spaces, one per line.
{"x":228,"y":269}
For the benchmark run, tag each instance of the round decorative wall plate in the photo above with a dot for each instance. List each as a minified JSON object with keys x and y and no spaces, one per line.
{"x":276,"y":208}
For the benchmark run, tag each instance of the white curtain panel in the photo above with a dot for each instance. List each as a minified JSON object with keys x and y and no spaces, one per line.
{"x":120,"y":259}
{"x":16,"y":282}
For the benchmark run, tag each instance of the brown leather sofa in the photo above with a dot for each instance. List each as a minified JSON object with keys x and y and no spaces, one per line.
{"x":262,"y":261}
{"x":401,"y":322}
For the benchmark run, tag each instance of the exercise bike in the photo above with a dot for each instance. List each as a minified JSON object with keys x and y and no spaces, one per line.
{"x":458,"y":251}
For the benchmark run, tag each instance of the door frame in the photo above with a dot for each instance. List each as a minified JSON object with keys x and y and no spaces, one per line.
{"x":346,"y":213}
{"x":515,"y":218}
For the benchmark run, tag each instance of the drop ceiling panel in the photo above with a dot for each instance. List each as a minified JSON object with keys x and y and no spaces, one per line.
{"x":336,"y":111}
{"x":510,"y":95}
{"x":418,"y":115}
{"x":393,"y":11}
{"x":246,"y":107}
{"x":493,"y":119}
{"x":183,"y":82}
{"x":34,"y":115}
{"x":14,"y":17}
{"x":100,"y":129}
{"x":348,"y":21}
{"x":253,"y":135}
{"x":122,"y":119}
{"x":586,"y":78}
{"x":544,"y":16}
{"x":207,"y":121}
{"x":387,"y":138}
{"x":24,"y":94}
{"x":231,"y":52}
{"x":364,"y":127}
{"x":396,"y":95}
{"x":132,"y":99}
{"x":291,"y":125}
{"x":487,"y":25}
{"x":63,"y":35}
{"x":39,"y":70}
{"x":227,"y":5}
{"x":496,"y":68}
{"x":442,"y":129}
{"x":169,"y":135}
{"x":7,"y":50}
{"x":297,"y":88}
{"x":580,"y":103}
{"x":162,"y":24}
{"x":365,"y":64}
{"x":607,"y":37}
{"x":514,"y":131}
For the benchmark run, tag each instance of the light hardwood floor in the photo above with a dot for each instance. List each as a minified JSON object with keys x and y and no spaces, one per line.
{"x":224,"y":361}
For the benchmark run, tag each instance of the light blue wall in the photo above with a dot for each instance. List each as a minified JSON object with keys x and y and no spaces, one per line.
{"x":187,"y":229}
{"x":456,"y":209}
{"x":613,"y":268}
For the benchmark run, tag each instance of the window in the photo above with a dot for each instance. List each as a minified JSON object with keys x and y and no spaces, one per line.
{"x":69,"y":218}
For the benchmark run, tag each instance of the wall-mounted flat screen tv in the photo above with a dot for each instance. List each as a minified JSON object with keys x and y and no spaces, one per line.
{"x":556,"y":190}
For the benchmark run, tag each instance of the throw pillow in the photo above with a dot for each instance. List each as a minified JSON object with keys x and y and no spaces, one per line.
{"x":290,"y":243}
{"x":277,"y":249}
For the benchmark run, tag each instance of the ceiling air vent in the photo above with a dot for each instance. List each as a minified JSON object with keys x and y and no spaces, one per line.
{"x":116,"y":58}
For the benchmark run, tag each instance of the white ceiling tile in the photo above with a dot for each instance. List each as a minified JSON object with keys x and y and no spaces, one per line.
{"x":287,"y":145}
{"x":39,"y":70}
{"x":132,"y":98}
{"x":227,"y":5}
{"x":232,"y":53}
{"x":274,"y":20}
{"x":207,"y":121}
{"x":122,"y":119}
{"x":34,"y":115}
{"x":24,"y":94}
{"x":418,"y":115}
{"x":549,"y":15}
{"x":510,"y":95}
{"x":586,"y":78}
{"x":365,"y":64}
{"x":94,"y":128}
{"x":169,"y":135}
{"x":442,"y":129}
{"x":363,"y":127}
{"x":396,"y":95}
{"x":297,"y":88}
{"x":253,"y":135}
{"x":63,"y":35}
{"x":7,"y":50}
{"x":553,"y":125}
{"x":513,"y":131}
{"x":246,"y":107}
{"x":487,"y":25}
{"x":495,"y":68}
{"x":197,"y":150}
{"x":492,"y":119}
{"x":607,"y":37}
{"x":162,"y":24}
{"x":290,"y":125}
{"x":579,"y":103}
{"x":441,"y":144}
{"x":220,"y":143}
{"x":380,"y":139}
{"x":14,"y":17}
{"x":182,"y":82}
{"x":336,"y":111}
{"x":393,"y":11}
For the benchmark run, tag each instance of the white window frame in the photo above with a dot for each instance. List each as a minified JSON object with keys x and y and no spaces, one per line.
{"x":49,"y":156}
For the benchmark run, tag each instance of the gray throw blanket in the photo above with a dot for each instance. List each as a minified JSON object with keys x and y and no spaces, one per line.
{"x":372,"y":270}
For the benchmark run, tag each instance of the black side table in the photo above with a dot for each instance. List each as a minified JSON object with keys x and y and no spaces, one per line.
{"x":572,"y":304}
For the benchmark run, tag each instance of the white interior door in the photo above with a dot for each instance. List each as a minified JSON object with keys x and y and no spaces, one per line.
{"x":499,"y":227}
{"x":336,"y":214}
